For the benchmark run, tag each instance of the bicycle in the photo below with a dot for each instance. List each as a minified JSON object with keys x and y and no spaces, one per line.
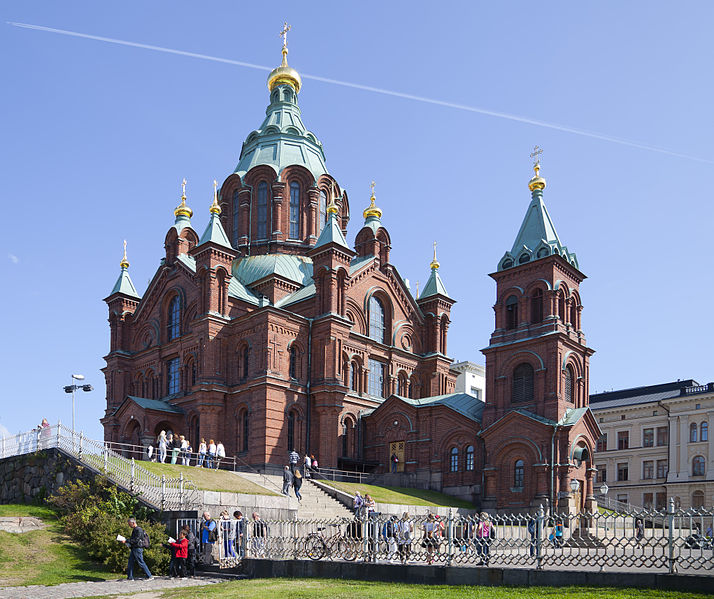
{"x":317,"y":545}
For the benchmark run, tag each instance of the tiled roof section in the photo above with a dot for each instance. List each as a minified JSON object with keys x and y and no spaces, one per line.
{"x":125,"y":285}
{"x":463,"y":403}
{"x":434,"y":286}
{"x":572,"y":416}
{"x":215,"y":233}
{"x":155,"y":404}
{"x":360,"y":262}
{"x":250,"y":269}
{"x":639,"y":395}
{"x":189,"y":261}
{"x":301,"y":294}
{"x":536,"y":417}
{"x":239,"y":291}
{"x":331,"y":233}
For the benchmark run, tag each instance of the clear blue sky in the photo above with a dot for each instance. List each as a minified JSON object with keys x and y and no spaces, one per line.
{"x":97,"y":137}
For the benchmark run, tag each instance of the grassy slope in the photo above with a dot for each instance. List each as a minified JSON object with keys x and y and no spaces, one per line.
{"x":44,"y":556}
{"x":401,"y":495}
{"x":352,"y":589}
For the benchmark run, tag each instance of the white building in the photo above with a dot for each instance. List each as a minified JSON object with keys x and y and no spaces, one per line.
{"x":656,"y":444}
{"x":471,"y":379}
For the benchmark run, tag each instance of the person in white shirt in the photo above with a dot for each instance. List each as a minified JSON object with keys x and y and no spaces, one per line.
{"x":220,"y":454}
{"x":202,"y":449}
{"x":184,"y":451}
{"x":211,"y":453}
{"x":162,"y":446}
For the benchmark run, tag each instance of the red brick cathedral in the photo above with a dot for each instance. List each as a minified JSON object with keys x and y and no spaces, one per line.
{"x":268,"y":332}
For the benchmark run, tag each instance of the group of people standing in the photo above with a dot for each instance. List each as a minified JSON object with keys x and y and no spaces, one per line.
{"x":209,"y":454}
{"x":292,"y":474}
{"x":227,"y":535}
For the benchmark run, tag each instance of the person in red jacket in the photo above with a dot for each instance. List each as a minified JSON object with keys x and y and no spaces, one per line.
{"x":179,"y":549}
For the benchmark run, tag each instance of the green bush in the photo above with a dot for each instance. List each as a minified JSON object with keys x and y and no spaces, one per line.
{"x":95,"y":513}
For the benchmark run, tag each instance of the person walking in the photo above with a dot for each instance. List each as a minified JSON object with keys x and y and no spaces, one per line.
{"x":287,"y":480}
{"x":202,"y":449}
{"x":357,"y":503}
{"x":162,"y":442}
{"x":220,"y":454}
{"x":180,"y":548}
{"x":184,"y":450}
{"x":193,"y":548}
{"x":369,"y":504}
{"x":533,"y":532}
{"x":209,"y":535}
{"x":136,"y":550}
{"x":307,"y":466}
{"x":639,"y":530}
{"x":175,"y":448}
{"x":389,"y":534}
{"x":297,"y":484}
{"x":484,"y":533}
{"x":405,"y":534}
{"x":293,"y":459}
{"x":228,"y":532}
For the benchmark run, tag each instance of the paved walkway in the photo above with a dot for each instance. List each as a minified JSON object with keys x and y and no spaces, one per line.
{"x":140,"y":588}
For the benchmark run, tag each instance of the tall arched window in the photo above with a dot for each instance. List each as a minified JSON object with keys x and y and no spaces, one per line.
{"x":173,"y":379}
{"x":174,"y":318}
{"x":518,"y":474}
{"x":321,"y":211}
{"x":344,"y":439}
{"x":246,"y":430}
{"x":561,"y":308}
{"x":291,"y":431}
{"x":573,"y":314}
{"x":512,"y":312}
{"x":293,"y":362}
{"x":537,"y":306}
{"x":354,"y":376}
{"x":704,"y":431}
{"x":246,"y":363}
{"x":698,"y":499}
{"x":454,"y":460}
{"x":569,"y":384}
{"x":698,"y":466}
{"x":693,"y":432}
{"x":470,"y":458}
{"x":522,"y":383}
{"x":294,"y":210}
{"x":376,"y":320}
{"x":236,"y":215}
{"x":262,"y":216}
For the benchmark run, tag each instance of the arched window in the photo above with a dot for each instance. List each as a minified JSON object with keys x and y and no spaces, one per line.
{"x":522,"y":383}
{"x":377,"y":329}
{"x":402,"y":384}
{"x":321,"y":211}
{"x":698,"y":466}
{"x":561,"y":307}
{"x":518,"y":474}
{"x":704,"y":431}
{"x":454,"y":460}
{"x":293,"y":362}
{"x":537,"y":306}
{"x":172,"y":376}
{"x":262,"y":216}
{"x":174,"y":318}
{"x":246,"y":430}
{"x":470,"y":458}
{"x":291,"y":431}
{"x":236,"y":215}
{"x":512,"y":312}
{"x":693,"y":432}
{"x":354,"y":376}
{"x":294,"y":210}
{"x":698,"y":499}
{"x":574,"y":315}
{"x":569,"y":384}
{"x":246,"y":363}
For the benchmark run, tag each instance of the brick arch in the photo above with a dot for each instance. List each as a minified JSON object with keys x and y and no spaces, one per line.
{"x":525,"y":441}
{"x":508,"y":456}
{"x":516,"y":290}
{"x":526,"y":355}
{"x":538,"y":284}
{"x":575,"y":443}
{"x":388,"y":305}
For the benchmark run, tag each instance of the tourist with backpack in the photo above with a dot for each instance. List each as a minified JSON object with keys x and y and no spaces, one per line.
{"x":209,"y":536}
{"x":138,"y":541}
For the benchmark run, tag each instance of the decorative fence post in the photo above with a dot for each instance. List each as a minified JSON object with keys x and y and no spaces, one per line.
{"x":539,"y":533}
{"x":450,"y":536}
{"x":81,"y":440}
{"x":365,"y":535}
{"x":670,"y":541}
{"x":163,"y":492}
{"x":106,"y":460}
{"x":59,"y":429}
{"x":296,"y":544}
{"x":181,"y":490}
{"x":131,"y":479}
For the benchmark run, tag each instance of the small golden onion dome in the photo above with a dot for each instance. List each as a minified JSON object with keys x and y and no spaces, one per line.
{"x":372,"y":209}
{"x":215,"y":208}
{"x":332,"y":207}
{"x":537,"y":182}
{"x":284,"y":75}
{"x":124,"y":262}
{"x":434,"y":262}
{"x":182,"y":209}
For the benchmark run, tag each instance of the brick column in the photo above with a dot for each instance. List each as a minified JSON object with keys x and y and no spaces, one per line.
{"x":311,"y":230}
{"x":278,"y":191}
{"x":244,"y":217}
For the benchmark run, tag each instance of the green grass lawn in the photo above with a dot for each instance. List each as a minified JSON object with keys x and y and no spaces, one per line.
{"x":401,"y":495}
{"x":354,"y":589}
{"x":45,"y":556}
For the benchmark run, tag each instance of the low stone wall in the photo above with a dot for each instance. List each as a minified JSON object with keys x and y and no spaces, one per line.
{"x":449,"y":575}
{"x":270,"y":507}
{"x":34,"y":476}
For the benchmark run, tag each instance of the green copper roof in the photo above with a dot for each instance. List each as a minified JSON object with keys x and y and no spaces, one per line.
{"x":215,"y":233}
{"x":124,"y":285}
{"x":463,"y":403}
{"x":301,"y":294}
{"x":155,"y":404}
{"x":536,"y":238}
{"x":182,"y":221}
{"x":282,"y":139}
{"x":374,"y":223}
{"x":250,"y":269}
{"x":239,"y":291}
{"x":434,"y":286}
{"x":331,"y":233}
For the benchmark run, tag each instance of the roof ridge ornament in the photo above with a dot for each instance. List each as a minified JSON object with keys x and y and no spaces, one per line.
{"x":537,"y":182}
{"x":124,"y":262}
{"x":215,"y":207}
{"x":284,"y":74}
{"x":435,"y":263}
{"x":182,"y":210}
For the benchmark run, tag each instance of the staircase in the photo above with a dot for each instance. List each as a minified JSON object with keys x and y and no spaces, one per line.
{"x":315,"y":504}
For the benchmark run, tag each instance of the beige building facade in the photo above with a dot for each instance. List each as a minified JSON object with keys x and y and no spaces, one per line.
{"x":656,"y":444}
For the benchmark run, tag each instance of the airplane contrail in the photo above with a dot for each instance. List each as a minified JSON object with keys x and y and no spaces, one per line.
{"x":378,"y":90}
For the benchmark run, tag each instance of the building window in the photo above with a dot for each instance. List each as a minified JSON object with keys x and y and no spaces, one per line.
{"x":662,"y":468}
{"x":661,"y":501}
{"x":662,"y":436}
{"x":454,"y":460}
{"x":376,"y":320}
{"x":601,"y":444}
{"x":246,"y":430}
{"x":262,"y":210}
{"x":518,"y":474}
{"x":322,"y":211}
{"x":522,"y":383}
{"x":354,"y":376}
{"x":246,"y":363}
{"x":174,"y":319}
{"x":476,"y":392}
{"x":293,"y":362}
{"x":693,"y":432}
{"x":698,"y":499}
{"x":623,"y":471}
{"x":569,"y":384}
{"x":512,"y":312}
{"x":291,"y":431}
{"x":623,"y":440}
{"x":172,"y":376}
{"x":602,"y":473}
{"x":698,"y":466}
{"x":704,"y":432}
{"x":622,"y":498}
{"x":470,"y":458}
{"x":648,"y":437}
{"x":648,"y":469}
{"x":537,"y":306}
{"x":236,"y":216}
{"x":294,"y":210}
{"x":402,"y":385}
{"x":376,"y":378}
{"x":647,"y":501}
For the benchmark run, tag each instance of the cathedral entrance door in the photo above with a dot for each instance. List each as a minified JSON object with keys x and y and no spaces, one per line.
{"x":396,"y":449}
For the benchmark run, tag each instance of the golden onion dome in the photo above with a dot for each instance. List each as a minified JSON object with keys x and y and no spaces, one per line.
{"x":284,"y":75}
{"x":124,"y":262}
{"x":332,"y":207}
{"x":372,"y":209}
{"x":182,"y":209}
{"x":537,"y":182}
{"x":434,"y":262}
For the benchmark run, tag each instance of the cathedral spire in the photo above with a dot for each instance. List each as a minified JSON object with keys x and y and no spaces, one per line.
{"x":124,"y":284}
{"x":284,"y":74}
{"x":183,"y":213}
{"x":214,"y":231}
{"x":371,"y":211}
{"x":331,"y":232}
{"x":434,"y":286}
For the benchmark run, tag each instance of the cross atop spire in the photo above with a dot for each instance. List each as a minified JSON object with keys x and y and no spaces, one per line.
{"x":435,"y":262}
{"x":182,"y":210}
{"x":215,"y":207}
{"x":183,"y":189}
{"x":284,"y":33}
{"x":124,"y":262}
{"x":535,"y":154}
{"x":371,"y":186}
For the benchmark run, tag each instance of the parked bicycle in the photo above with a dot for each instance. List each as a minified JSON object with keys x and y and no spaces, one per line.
{"x":317,"y":545}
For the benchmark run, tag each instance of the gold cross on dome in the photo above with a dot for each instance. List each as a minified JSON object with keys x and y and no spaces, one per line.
{"x":183,"y":188}
{"x":215,"y":189}
{"x":284,"y":33}
{"x":125,"y":249}
{"x":535,"y":154}
{"x":371,"y":186}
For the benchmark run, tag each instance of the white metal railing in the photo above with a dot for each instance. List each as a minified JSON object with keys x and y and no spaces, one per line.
{"x":160,"y":491}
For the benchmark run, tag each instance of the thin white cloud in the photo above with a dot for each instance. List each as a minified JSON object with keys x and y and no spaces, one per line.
{"x":484,"y":111}
{"x":13,"y":258}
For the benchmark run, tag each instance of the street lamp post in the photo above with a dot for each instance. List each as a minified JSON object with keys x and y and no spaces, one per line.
{"x":72,"y":388}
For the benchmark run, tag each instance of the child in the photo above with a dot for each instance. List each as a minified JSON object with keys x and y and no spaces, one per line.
{"x":179,"y":551}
